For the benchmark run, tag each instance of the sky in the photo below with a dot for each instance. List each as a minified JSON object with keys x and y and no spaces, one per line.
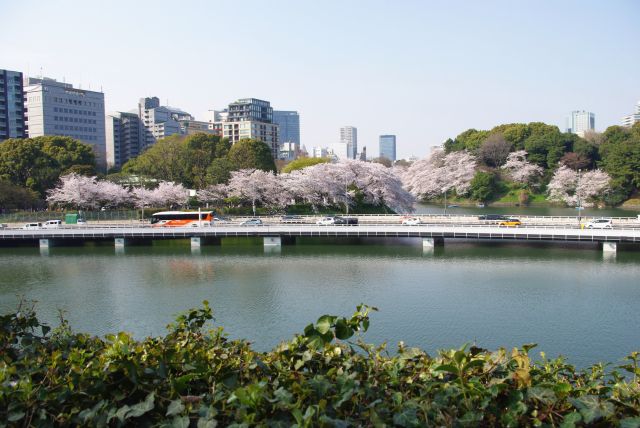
{"x":422,"y":70}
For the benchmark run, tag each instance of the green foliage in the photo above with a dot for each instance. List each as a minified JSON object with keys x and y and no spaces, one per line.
{"x":483,"y":186}
{"x":326,"y":376}
{"x":303,"y":163}
{"x":249,"y":153}
{"x":14,"y":197}
{"x":180,"y":159}
{"x":620,"y":153}
{"x":470,"y":140}
{"x":37,"y":163}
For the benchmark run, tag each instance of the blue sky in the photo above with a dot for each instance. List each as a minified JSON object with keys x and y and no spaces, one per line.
{"x":423,"y":70}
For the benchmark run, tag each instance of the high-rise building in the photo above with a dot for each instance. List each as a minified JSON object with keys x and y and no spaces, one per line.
{"x":12,"y":112}
{"x":250,"y":109}
{"x":289,"y":127}
{"x":160,"y":121}
{"x":340,"y":150}
{"x":125,"y":134}
{"x":579,"y":122}
{"x":629,"y":120}
{"x":252,"y":118}
{"x":388,"y":147}
{"x":349,"y":136}
{"x":56,"y":108}
{"x":319,"y":152}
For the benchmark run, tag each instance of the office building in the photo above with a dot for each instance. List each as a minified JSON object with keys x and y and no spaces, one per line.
{"x":340,"y":150}
{"x":629,"y":120}
{"x":579,"y":122}
{"x":125,"y":134}
{"x":349,"y":136}
{"x":252,"y":118}
{"x":160,"y":121}
{"x":265,"y":132}
{"x":250,"y":109}
{"x":319,"y":152}
{"x":56,"y":108}
{"x":12,"y":112}
{"x":190,"y":127}
{"x":388,"y":147}
{"x":289,"y":127}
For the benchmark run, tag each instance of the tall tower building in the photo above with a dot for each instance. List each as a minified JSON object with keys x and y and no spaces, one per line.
{"x":252,"y":118}
{"x":349,"y":136}
{"x":160,"y":121}
{"x":56,"y":108}
{"x":289,"y":126}
{"x":388,"y":147}
{"x":579,"y":122}
{"x":12,"y":113}
{"x":125,"y":134}
{"x":629,"y":120}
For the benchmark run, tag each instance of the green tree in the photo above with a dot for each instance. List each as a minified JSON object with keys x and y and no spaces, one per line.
{"x":165,"y":160}
{"x":303,"y":163}
{"x":471,"y":139}
{"x":16,"y":197}
{"x":219,"y":171}
{"x":483,"y":186}
{"x":621,"y":158}
{"x":250,"y":153}
{"x":37,"y":163}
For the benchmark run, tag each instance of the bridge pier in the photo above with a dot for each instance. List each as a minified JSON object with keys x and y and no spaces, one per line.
{"x":609,"y":247}
{"x":431,"y":243}
{"x":198,"y":241}
{"x":45,"y":245}
{"x":272,"y":241}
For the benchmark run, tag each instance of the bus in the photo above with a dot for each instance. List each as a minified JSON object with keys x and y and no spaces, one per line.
{"x":182,"y":219}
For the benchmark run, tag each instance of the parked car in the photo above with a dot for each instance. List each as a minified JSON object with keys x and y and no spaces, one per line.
{"x":510,"y":222}
{"x":52,"y":224}
{"x":599,"y":223}
{"x":411,"y":221}
{"x":326,"y":221}
{"x":31,"y":226}
{"x":81,"y":222}
{"x":3,"y":225}
{"x":252,"y":222}
{"x":221,"y":220}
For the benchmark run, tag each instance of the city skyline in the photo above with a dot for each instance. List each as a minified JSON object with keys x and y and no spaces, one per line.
{"x":399,"y":62}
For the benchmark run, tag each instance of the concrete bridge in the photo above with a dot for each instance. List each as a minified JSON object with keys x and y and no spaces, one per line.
{"x":276,"y":234}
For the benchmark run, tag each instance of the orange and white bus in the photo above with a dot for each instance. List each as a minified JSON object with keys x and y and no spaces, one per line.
{"x":182,"y":219}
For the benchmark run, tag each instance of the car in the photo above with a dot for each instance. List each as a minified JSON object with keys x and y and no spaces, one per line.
{"x":326,"y":221}
{"x":510,"y":222}
{"x":31,"y":226}
{"x":252,"y":222}
{"x":599,"y":223}
{"x":411,"y":221}
{"x":220,"y":220}
{"x":346,"y":220}
{"x":494,"y":217}
{"x":4,"y":225}
{"x":52,"y":224}
{"x":81,"y":222}
{"x":291,"y":218}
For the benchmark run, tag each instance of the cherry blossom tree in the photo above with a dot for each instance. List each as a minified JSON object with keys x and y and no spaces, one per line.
{"x":113,"y":195}
{"x":256,"y":186}
{"x":213,"y":194}
{"x":573,"y":187}
{"x":75,"y":190}
{"x":169,"y":194}
{"x":521,"y":171}
{"x":439,"y":173}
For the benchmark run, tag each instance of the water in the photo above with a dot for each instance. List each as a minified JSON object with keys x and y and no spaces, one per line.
{"x":543,"y":211}
{"x":570,"y":300}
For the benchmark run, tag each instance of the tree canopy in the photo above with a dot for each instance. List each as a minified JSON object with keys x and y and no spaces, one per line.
{"x":303,"y":163}
{"x":37,"y":163}
{"x":251,"y":154}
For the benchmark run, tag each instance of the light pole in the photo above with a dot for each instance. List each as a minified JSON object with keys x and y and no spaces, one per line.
{"x":445,"y":201}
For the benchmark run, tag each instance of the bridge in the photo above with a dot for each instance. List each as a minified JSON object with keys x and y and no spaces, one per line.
{"x":276,"y":233}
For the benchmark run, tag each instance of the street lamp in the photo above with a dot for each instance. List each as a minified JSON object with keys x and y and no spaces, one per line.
{"x":578,"y":196}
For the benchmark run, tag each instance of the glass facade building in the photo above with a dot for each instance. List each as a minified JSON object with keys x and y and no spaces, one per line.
{"x":579,"y":122}
{"x":250,"y":109}
{"x":12,"y":111}
{"x":388,"y":147}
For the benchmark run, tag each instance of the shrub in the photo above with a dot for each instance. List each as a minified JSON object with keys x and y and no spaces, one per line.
{"x":325,"y":376}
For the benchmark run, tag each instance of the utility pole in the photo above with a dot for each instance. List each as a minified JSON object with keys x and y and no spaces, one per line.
{"x":578,"y":195}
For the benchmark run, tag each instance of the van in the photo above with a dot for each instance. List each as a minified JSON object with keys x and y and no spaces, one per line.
{"x":52,"y":224}
{"x":30,"y":226}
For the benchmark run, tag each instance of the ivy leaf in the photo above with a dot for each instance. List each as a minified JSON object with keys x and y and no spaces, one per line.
{"x":175,"y":407}
{"x":324,"y":324}
{"x":543,"y":395}
{"x":571,"y":420}
{"x":591,"y":408}
{"x":15,"y":416}
{"x":630,"y":423}
{"x":180,"y":422}
{"x":142,"y":408}
{"x":343,"y":331}
{"x":450,"y":368}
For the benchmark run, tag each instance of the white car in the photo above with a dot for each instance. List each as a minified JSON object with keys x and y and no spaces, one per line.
{"x":52,"y":224}
{"x":326,"y":221}
{"x":81,"y":222}
{"x":599,"y":223}
{"x":411,"y":221}
{"x":31,"y":226}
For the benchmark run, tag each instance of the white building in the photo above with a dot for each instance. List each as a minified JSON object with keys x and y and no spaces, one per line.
{"x":340,"y":150}
{"x":629,"y":120}
{"x":579,"y":122}
{"x":319,"y":152}
{"x":56,"y":108}
{"x":349,"y":136}
{"x":160,"y":121}
{"x":263,"y":131}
